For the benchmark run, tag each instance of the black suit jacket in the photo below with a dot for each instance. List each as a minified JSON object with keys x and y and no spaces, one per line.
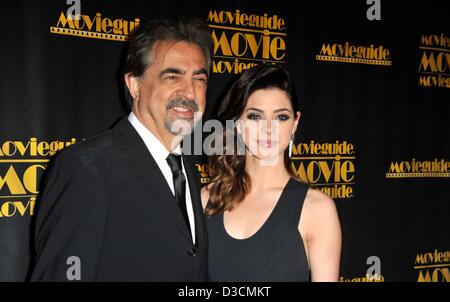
{"x":106,"y":202}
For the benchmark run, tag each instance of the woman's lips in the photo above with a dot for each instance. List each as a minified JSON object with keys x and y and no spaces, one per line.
{"x":266,"y":143}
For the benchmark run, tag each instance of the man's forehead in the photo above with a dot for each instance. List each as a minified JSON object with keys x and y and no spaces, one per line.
{"x":179,"y":51}
{"x":168,"y":55}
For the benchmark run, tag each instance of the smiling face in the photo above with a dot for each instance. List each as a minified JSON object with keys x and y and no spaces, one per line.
{"x":268,"y":122}
{"x":172,"y":91}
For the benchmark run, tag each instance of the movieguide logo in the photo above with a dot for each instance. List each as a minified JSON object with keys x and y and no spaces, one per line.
{"x":419,"y":169}
{"x":367,"y":278}
{"x":359,"y":54}
{"x":22,"y":164}
{"x":330,"y":167}
{"x":433,"y":266}
{"x":243,"y":40}
{"x":434,"y":67}
{"x":94,"y":27}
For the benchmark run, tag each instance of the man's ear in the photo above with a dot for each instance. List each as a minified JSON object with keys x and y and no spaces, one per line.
{"x":133,"y":85}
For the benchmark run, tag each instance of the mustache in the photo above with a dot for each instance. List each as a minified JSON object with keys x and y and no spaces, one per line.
{"x":182,"y":103}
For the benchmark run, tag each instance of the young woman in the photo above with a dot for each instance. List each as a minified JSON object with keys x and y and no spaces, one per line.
{"x":263,"y":223}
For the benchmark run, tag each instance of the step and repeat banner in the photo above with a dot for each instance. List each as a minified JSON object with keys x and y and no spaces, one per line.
{"x":373,"y":79}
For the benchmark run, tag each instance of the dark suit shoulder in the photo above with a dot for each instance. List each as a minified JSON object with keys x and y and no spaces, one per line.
{"x":98,"y":150}
{"x":93,"y":144}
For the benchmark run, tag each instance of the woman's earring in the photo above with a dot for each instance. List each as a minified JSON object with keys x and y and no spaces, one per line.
{"x":291,"y":142}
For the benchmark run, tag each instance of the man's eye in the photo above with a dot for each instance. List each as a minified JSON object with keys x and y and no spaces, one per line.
{"x":201,"y":79}
{"x":171,"y":77}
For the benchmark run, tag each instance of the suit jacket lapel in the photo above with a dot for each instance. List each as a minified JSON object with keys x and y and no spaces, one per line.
{"x":133,"y":150}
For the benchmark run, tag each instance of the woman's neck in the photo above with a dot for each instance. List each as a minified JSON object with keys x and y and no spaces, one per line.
{"x":264,"y":175}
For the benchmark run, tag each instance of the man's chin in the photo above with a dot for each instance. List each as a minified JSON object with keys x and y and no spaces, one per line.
{"x":181,"y":127}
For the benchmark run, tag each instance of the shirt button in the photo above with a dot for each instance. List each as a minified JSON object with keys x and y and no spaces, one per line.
{"x":192,"y":252}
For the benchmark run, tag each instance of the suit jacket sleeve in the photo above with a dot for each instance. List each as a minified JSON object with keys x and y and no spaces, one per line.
{"x":70,"y":220}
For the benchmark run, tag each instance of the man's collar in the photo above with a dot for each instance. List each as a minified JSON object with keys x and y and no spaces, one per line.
{"x":154,"y":145}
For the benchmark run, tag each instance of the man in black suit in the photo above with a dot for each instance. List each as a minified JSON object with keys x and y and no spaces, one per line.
{"x":125,"y":205}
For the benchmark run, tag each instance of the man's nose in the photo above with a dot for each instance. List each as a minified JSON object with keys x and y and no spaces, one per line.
{"x":188,"y":90}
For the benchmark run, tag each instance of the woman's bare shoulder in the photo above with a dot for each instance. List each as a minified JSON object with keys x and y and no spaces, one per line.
{"x":318,"y":200}
{"x":319,"y":211}
{"x":323,"y":231}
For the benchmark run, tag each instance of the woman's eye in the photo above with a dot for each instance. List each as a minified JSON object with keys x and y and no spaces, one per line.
{"x":253,"y":116}
{"x":283,"y":117}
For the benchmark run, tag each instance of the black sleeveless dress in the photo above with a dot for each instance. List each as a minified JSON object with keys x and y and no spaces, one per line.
{"x":274,"y":253}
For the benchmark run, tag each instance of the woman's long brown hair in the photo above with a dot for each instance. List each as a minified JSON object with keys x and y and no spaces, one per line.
{"x":230,"y":183}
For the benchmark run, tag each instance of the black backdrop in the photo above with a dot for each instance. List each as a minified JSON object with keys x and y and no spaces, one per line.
{"x":59,"y":84}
